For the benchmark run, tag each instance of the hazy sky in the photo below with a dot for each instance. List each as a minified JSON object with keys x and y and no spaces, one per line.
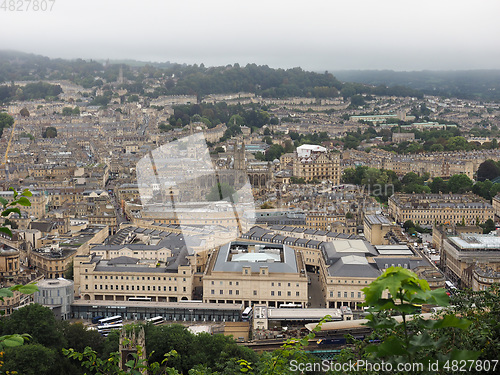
{"x":313,"y":34}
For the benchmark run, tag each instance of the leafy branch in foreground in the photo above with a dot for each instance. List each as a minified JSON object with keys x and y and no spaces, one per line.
{"x":8,"y":208}
{"x":411,"y":340}
{"x":279,"y":361}
{"x":111,"y":365}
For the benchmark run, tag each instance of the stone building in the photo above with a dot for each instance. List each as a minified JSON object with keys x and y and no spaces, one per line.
{"x":255,"y":273}
{"x":430,"y":209}
{"x":315,"y":163}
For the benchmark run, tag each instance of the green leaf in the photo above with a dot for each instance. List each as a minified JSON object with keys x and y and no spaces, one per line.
{"x":10,"y":341}
{"x":6,"y":230}
{"x":3,"y":201}
{"x":26,"y":193}
{"x":25,"y":289}
{"x":23,"y":201}
{"x":8,"y":211}
{"x":464,"y":355}
{"x":5,"y":292}
{"x":452,"y":321}
{"x":15,"y":192}
{"x":439,"y":297}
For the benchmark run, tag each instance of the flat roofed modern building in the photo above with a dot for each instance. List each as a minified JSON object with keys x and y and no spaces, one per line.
{"x":376,"y":228}
{"x":57,"y":294}
{"x":255,"y":273}
{"x":461,"y":254}
{"x":348,"y":266}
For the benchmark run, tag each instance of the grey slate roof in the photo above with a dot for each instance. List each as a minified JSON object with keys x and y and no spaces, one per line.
{"x":343,"y":268}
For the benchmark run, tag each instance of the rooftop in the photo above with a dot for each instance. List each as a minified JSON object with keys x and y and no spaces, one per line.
{"x":476,"y":241}
{"x":232,"y":257}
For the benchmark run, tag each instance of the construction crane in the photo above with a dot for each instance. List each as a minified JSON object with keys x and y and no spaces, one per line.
{"x":7,"y":152}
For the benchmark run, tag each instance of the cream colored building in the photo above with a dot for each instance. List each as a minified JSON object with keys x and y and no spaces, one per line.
{"x":495,"y":202}
{"x":429,"y":209}
{"x":461,"y":254}
{"x":159,"y":273}
{"x":255,"y":273}
{"x":38,"y":202}
{"x":317,"y":165}
{"x":376,"y":228}
{"x":484,"y":277}
{"x":55,"y":257}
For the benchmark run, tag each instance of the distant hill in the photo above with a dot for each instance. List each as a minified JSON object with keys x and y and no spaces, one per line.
{"x":465,"y":84}
{"x":178,"y":79}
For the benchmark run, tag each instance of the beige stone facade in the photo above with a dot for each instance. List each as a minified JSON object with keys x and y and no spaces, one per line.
{"x":376,"y":228}
{"x":430,"y":209}
{"x":258,"y":282}
{"x":322,"y":167}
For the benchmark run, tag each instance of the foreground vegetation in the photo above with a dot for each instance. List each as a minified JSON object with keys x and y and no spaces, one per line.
{"x":468,"y":329}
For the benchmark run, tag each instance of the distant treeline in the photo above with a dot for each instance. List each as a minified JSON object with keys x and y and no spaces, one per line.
{"x":194,"y":79}
{"x":37,"y":90}
{"x":464,"y":84}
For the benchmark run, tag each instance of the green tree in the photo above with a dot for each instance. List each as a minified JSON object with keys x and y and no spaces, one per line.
{"x":274,"y":152}
{"x":408,"y":224}
{"x":37,"y":321}
{"x":460,"y":183}
{"x":49,"y":132}
{"x":488,"y":226}
{"x":6,"y":121}
{"x":133,"y":98}
{"x":457,"y":144}
{"x":24,"y":112}
{"x":488,"y":170}
{"x":221,"y":192}
{"x":438,"y":185}
{"x":260,"y":156}
{"x":67,"y":111}
{"x":33,"y":359}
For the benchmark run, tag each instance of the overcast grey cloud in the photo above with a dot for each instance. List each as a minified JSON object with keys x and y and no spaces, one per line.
{"x":313,"y":34}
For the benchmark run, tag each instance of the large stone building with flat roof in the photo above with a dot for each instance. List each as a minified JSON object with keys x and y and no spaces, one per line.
{"x":376,"y":229}
{"x":461,"y":255}
{"x":255,"y":273}
{"x":348,"y":266}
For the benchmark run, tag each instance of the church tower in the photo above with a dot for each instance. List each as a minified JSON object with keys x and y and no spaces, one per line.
{"x":239,"y":157}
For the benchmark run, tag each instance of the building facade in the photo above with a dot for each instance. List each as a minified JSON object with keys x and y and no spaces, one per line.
{"x":430,"y":209}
